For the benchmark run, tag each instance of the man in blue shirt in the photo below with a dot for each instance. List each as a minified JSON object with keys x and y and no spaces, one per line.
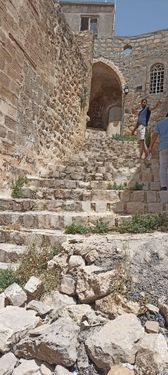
{"x":161,"y":131}
{"x":141,"y":126}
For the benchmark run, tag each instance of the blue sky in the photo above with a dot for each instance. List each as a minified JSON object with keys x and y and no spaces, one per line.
{"x":140,"y":16}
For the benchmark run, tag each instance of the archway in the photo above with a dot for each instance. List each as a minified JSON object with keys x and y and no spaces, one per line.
{"x":105,"y":109}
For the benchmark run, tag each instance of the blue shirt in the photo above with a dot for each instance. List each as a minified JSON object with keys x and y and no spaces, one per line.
{"x":143,"y":116}
{"x":161,"y":128}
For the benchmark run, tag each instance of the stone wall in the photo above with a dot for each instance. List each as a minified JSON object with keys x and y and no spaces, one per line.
{"x":43,"y":79}
{"x":147,"y":49}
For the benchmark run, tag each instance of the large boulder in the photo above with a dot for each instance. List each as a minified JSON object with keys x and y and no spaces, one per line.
{"x":152,"y":354}
{"x":15,"y":322}
{"x":57,"y":346}
{"x":94,"y":283}
{"x":115,"y":342}
{"x":7,"y":364}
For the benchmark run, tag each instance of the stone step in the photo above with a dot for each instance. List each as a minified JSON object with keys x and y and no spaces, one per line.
{"x":23,"y":205}
{"x":14,"y":234}
{"x":11,"y":252}
{"x":71,"y":194}
{"x":52,"y":220}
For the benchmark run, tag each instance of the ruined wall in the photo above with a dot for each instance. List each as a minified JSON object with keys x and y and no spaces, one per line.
{"x":42,"y":79}
{"x":147,"y":49}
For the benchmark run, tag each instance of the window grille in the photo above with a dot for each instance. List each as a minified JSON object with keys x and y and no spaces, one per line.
{"x":156,"y":79}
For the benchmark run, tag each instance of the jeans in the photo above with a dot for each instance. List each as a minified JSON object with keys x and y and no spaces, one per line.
{"x":163,"y":167}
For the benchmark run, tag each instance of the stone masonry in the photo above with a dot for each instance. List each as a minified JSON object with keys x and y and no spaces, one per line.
{"x":43,"y":79}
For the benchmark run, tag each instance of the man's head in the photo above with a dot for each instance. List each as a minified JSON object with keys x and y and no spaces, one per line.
{"x":143,"y":103}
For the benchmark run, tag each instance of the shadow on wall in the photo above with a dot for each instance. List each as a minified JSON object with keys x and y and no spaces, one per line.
{"x":105,"y":110}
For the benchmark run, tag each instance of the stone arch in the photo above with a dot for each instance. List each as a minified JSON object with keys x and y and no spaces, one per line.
{"x":106,"y":96}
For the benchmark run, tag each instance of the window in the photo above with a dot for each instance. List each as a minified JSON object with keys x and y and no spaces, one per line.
{"x":84,"y":23}
{"x":127,"y":50}
{"x":156,"y":78}
{"x":89,"y":23}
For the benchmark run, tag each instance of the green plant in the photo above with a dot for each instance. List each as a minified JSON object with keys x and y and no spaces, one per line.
{"x":116,"y":186}
{"x":17,"y":187}
{"x":137,"y":186}
{"x":7,"y":277}
{"x":100,"y":228}
{"x":76,"y":228}
{"x":123,"y":138}
{"x":82,"y":229}
{"x":83,"y":98}
{"x":144,"y":224}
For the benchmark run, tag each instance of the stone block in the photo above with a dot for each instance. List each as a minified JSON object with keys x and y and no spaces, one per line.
{"x":151,"y":196}
{"x":138,"y":196}
{"x":135,"y":207}
{"x":155,"y":208}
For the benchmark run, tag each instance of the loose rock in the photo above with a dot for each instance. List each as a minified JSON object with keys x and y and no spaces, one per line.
{"x":15,"y":295}
{"x":114,"y":305}
{"x":76,"y":261}
{"x":120,"y":370}
{"x":33,"y":288}
{"x":68,"y":285}
{"x":152,"y":354}
{"x":41,"y":308}
{"x":7,"y":363}
{"x":152,"y":327}
{"x":93,"y":283}
{"x":27,"y":368}
{"x":15,"y":322}
{"x":61,"y":371}
{"x":57,"y":300}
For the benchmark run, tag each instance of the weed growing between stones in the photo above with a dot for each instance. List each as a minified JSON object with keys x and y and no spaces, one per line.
{"x":124,"y":138}
{"x":137,"y":186}
{"x":7,"y":277}
{"x":99,"y":228}
{"x":17,"y":187}
{"x":116,"y":186}
{"x":144,"y":224}
{"x":33,"y":263}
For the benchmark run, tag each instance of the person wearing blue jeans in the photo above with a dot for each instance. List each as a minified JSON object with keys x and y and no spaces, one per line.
{"x":161,"y":131}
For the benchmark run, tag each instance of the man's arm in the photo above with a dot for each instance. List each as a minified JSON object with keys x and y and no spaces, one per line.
{"x":158,"y":103}
{"x":153,"y":141}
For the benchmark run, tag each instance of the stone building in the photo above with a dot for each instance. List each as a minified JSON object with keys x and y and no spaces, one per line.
{"x":138,"y":61}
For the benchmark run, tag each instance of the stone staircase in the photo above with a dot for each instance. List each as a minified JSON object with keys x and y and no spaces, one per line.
{"x":85,"y":190}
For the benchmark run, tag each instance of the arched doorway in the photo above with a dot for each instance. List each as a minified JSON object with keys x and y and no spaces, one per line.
{"x":105,"y":109}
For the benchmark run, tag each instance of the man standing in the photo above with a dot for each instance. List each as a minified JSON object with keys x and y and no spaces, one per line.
{"x":141,"y":126}
{"x":161,"y":131}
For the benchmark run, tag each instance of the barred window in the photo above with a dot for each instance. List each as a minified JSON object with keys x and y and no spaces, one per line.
{"x":156,"y":78}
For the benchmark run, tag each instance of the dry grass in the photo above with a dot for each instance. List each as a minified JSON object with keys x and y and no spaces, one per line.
{"x":34,"y":263}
